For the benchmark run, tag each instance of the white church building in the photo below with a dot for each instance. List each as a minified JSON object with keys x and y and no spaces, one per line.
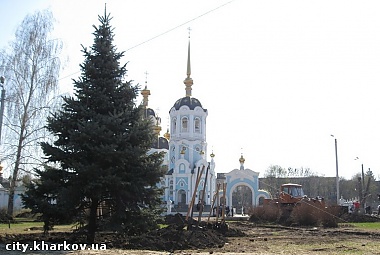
{"x":185,"y":148}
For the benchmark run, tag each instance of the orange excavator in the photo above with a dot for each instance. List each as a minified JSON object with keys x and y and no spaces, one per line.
{"x":292,"y":194}
{"x":292,"y":206}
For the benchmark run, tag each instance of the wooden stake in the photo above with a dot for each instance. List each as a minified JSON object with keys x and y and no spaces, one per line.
{"x":213,"y":201}
{"x":224,"y":201}
{"x":198,"y":179}
{"x":203,"y":196}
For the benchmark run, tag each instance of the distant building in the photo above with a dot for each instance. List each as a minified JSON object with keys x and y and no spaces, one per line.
{"x":4,"y":194}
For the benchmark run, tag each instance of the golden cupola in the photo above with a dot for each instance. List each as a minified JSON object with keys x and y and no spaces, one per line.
{"x":149,"y":114}
{"x":167,"y":134}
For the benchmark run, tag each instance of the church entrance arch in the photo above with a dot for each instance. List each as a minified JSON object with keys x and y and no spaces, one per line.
{"x":181,"y":197}
{"x":242,"y":198}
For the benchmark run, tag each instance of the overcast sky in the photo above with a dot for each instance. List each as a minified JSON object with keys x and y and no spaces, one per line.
{"x":277,"y":77}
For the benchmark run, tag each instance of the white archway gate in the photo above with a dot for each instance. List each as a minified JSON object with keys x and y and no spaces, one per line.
{"x":241,"y":197}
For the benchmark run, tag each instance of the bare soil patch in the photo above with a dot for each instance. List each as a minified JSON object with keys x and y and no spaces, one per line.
{"x":242,"y":237}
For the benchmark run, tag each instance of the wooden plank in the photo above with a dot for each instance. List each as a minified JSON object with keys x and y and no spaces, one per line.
{"x":198,"y":179}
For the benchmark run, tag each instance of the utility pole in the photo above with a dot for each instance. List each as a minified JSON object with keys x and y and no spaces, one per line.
{"x":337,"y":172}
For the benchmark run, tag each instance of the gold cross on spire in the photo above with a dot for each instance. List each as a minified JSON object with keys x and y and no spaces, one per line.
{"x":146,"y":78}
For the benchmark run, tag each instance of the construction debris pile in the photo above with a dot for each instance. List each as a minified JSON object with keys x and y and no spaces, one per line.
{"x":183,"y":235}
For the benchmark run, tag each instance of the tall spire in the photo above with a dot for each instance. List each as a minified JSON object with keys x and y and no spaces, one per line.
{"x":188,"y":81}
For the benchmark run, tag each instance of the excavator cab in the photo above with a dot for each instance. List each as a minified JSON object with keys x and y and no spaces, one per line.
{"x":290,"y":193}
{"x":294,"y":190}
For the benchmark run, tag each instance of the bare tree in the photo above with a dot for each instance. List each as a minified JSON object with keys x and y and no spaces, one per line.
{"x":31,"y":68}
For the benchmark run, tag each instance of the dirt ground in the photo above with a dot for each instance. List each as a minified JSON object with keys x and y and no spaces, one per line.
{"x":242,"y":237}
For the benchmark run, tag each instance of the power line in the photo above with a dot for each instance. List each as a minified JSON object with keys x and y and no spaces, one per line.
{"x":220,"y":6}
{"x":168,"y":31}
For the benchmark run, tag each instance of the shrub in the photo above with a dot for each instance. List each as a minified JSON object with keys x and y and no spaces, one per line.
{"x":305,"y":214}
{"x":24,"y":213}
{"x":266,"y":213}
{"x":4,"y":218}
{"x":330,"y":216}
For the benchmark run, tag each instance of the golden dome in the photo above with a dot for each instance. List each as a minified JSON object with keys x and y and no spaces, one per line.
{"x":156,"y":130}
{"x":167,"y":134}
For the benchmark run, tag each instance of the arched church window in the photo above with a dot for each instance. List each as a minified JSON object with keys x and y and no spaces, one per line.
{"x":197,"y":125}
{"x":174,"y":125}
{"x":182,"y":168}
{"x":184,"y":124}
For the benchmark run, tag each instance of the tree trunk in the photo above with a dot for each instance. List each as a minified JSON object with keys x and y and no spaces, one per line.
{"x":12,"y":186}
{"x":11,"y":199}
{"x":91,"y":228}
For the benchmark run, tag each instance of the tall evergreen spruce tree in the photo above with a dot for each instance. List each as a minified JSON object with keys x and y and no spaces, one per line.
{"x":103,"y":140}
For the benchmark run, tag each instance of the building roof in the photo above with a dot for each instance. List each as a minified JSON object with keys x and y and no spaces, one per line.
{"x":191,"y":102}
{"x":160,"y":143}
{"x":149,"y":112}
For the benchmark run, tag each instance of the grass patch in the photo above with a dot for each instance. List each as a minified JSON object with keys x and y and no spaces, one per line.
{"x":366,"y":225}
{"x":21,"y":227}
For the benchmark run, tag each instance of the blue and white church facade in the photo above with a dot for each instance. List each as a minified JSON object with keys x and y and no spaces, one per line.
{"x":186,"y":151}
